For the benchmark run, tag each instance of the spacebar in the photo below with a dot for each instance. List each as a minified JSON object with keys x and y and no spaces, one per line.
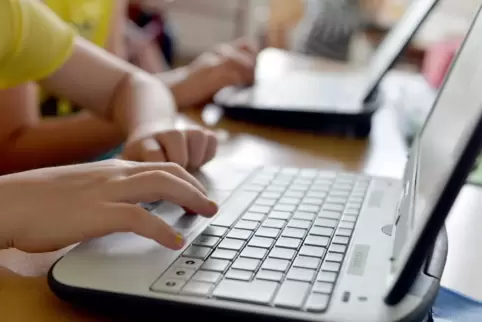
{"x":259,"y":292}
{"x":233,"y":208}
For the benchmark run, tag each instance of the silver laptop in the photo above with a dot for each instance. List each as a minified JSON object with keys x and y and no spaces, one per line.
{"x":332,"y":92}
{"x":299,"y":244}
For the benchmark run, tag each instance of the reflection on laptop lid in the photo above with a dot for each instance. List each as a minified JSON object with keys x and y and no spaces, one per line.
{"x":443,"y":156}
{"x":396,"y":41}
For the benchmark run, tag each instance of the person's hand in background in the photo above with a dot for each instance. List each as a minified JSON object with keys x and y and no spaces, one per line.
{"x":191,"y":148}
{"x":52,"y":208}
{"x":227,"y":65}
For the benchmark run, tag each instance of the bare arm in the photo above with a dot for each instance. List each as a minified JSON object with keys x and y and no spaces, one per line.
{"x":116,"y":42}
{"x":29,"y":142}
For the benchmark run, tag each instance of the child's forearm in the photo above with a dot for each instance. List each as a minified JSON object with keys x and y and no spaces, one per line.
{"x":58,"y":141}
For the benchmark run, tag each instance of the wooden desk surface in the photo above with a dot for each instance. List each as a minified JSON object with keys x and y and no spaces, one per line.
{"x":24,"y":294}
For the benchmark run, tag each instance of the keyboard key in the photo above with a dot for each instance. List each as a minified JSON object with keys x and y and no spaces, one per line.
{"x":312,"y":251}
{"x":309,"y":216}
{"x":297,"y":223}
{"x":274,"y":223}
{"x":255,"y":188}
{"x":290,"y":201}
{"x":337,"y":248}
{"x":323,"y":287}
{"x":294,"y":233}
{"x":339,"y":194}
{"x":288,"y":242}
{"x":197,"y":289}
{"x":180,"y":273}
{"x":265,"y":202}
{"x":257,"y":291}
{"x":280,"y":189}
{"x":330,"y":215}
{"x":292,"y":295}
{"x":260,"y":209}
{"x":344,"y":187}
{"x":308,"y":208}
{"x":344,"y":232}
{"x":308,"y":173}
{"x":233,"y":208}
{"x":168,"y":285}
{"x":336,"y":200}
{"x":325,"y":276}
{"x":317,"y":302}
{"x":349,"y":218}
{"x":286,"y":208}
{"x":254,"y":252}
{"x":294,"y":194}
{"x":303,"y":181}
{"x":321,"y":231}
{"x":247,"y":225}
{"x":235,"y":274}
{"x":239,"y":234}
{"x":215,"y":231}
{"x":333,"y":207}
{"x":216,"y":265}
{"x":307,"y":262}
{"x":233,"y":244}
{"x":197,"y":252}
{"x":267,"y":232}
{"x":270,"y":275}
{"x":313,"y":201}
{"x":343,"y":240}
{"x":274,"y":264}
{"x":282,"y":253}
{"x":246,"y":264}
{"x":271,"y":195}
{"x":347,"y":225}
{"x":317,"y":241}
{"x":353,"y":212}
{"x":279,"y":215}
{"x":324,"y":222}
{"x":331,"y":267}
{"x":187,"y":262}
{"x":261,"y":242}
{"x":224,"y":254}
{"x":207,"y":276}
{"x":300,"y":187}
{"x":253,"y":216}
{"x":326,"y":174}
{"x":301,"y":274}
{"x":208,"y":241}
{"x":334,"y":257}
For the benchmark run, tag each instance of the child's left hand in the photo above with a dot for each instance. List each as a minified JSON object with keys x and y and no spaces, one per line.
{"x":190,"y":148}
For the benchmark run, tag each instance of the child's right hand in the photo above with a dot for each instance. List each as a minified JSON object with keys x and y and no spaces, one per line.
{"x":48,"y":209}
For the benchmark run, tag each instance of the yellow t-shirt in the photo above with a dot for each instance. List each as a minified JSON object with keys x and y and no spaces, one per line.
{"x":92,"y":19}
{"x":34,"y":42}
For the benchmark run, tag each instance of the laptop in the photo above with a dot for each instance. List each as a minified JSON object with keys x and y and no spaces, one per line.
{"x":293,"y":244}
{"x":319,"y":100}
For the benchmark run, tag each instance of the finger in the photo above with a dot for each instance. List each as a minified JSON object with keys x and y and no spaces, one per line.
{"x":151,"y":151}
{"x":170,"y":167}
{"x":211,"y":147}
{"x":197,"y":143}
{"x":175,"y":147}
{"x":160,"y":185}
{"x":243,"y":58}
{"x":132,"y":218}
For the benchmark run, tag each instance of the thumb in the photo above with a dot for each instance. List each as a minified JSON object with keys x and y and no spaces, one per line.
{"x":132,"y":218}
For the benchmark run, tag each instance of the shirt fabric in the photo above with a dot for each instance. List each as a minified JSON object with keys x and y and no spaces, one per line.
{"x":34,"y":42}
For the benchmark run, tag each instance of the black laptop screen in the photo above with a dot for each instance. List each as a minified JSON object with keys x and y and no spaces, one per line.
{"x":395,"y":43}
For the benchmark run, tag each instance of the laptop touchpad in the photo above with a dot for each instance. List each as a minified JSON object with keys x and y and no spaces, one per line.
{"x":177,"y":217}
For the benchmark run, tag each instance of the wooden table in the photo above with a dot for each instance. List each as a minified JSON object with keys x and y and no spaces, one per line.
{"x":24,"y":294}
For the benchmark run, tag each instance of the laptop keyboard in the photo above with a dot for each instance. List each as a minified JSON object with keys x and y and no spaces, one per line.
{"x":279,"y":241}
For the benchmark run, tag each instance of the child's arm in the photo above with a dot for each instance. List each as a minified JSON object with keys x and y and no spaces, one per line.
{"x":29,"y":142}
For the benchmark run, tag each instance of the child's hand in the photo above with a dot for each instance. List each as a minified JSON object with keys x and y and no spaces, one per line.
{"x":228,"y":65}
{"x":48,"y":209}
{"x":188,"y":148}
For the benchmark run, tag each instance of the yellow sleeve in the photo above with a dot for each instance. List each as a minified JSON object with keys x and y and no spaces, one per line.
{"x":34,"y":42}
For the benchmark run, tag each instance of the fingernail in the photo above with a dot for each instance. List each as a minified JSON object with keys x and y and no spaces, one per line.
{"x":179,"y":240}
{"x":214,"y":204}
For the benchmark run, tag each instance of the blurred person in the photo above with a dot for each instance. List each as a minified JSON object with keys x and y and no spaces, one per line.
{"x":51,"y":208}
{"x":29,"y":141}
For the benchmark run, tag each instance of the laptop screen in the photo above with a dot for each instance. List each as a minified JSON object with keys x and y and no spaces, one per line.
{"x":395,"y":42}
{"x":445,"y":135}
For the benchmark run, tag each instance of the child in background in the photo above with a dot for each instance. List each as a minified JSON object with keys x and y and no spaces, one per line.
{"x":81,"y":137}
